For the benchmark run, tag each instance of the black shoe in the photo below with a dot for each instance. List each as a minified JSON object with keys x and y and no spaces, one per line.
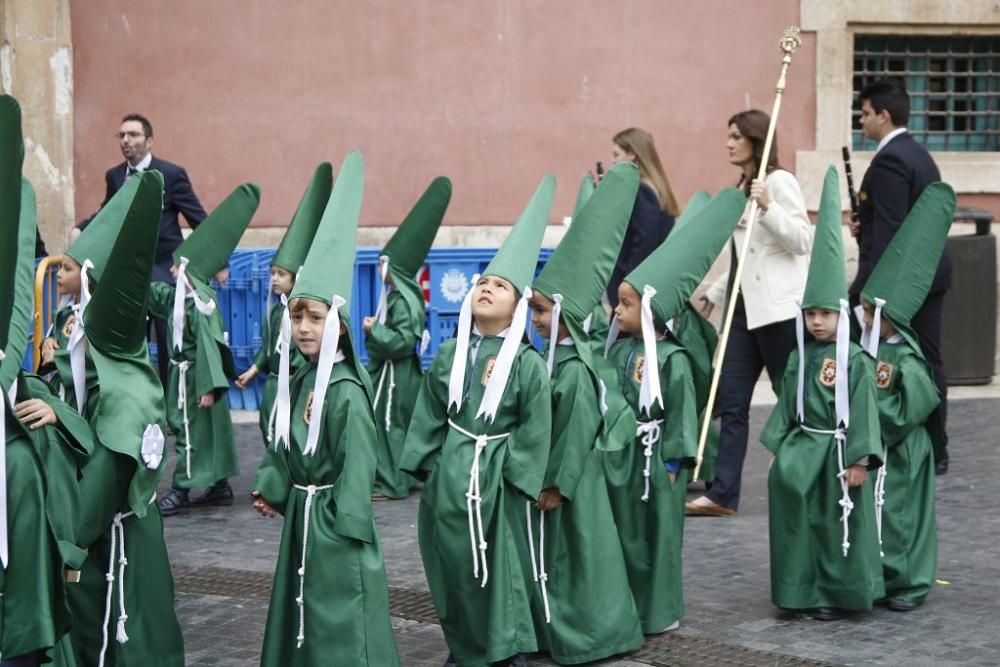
{"x":899,"y":604}
{"x":941,"y":467}
{"x":174,"y":502}
{"x":220,"y":494}
{"x":830,"y":613}
{"x":518,"y":660}
{"x":450,"y":662}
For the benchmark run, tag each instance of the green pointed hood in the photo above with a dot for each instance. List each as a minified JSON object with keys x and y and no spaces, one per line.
{"x":695,"y":204}
{"x":412,"y":240}
{"x":587,"y":187}
{"x":678,"y":266}
{"x":210,"y":245}
{"x":329,"y":266}
{"x":22,"y":277}
{"x":906,"y":270}
{"x":580,"y":267}
{"x":97,"y":239}
{"x":291,"y":254}
{"x":131,"y":398}
{"x":827,"y":281}
{"x":11,"y":186}
{"x":517,"y":258}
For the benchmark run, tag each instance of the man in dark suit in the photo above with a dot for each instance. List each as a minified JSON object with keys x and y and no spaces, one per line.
{"x":135,"y":138}
{"x":898,"y":173}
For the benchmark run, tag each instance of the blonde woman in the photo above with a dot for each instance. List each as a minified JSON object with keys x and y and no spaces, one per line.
{"x":655,"y":205}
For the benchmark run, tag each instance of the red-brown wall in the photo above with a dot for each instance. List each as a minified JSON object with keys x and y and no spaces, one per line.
{"x":492,"y":93}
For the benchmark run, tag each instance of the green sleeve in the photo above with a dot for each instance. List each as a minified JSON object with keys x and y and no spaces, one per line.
{"x":398,"y":337}
{"x":103,"y":490}
{"x":783,"y":418}
{"x":680,"y":411}
{"x":529,"y":442}
{"x":429,"y":424}
{"x":863,"y":433}
{"x":273,"y":480}
{"x":909,"y":403}
{"x":576,"y":421}
{"x":351,"y":420}
{"x":209,"y":372}
{"x":264,"y":354}
{"x":161,"y":299}
{"x":269,"y":338}
{"x":74,"y":428}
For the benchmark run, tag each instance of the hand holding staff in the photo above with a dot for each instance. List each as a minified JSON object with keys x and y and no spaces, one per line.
{"x":790,"y":41}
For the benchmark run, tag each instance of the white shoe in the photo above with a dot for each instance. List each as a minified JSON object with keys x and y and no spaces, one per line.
{"x":673,"y":626}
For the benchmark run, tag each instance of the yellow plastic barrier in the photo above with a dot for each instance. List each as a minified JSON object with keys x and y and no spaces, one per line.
{"x":46,"y":302}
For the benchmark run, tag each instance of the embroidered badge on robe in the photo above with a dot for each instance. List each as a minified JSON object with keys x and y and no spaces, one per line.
{"x":68,"y":327}
{"x":883,"y":375}
{"x":307,"y":415}
{"x":488,"y":370}
{"x":828,"y":372}
{"x":640,"y":364}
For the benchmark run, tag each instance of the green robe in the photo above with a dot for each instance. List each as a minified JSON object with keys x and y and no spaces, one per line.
{"x":808,"y":567}
{"x":600,"y":323}
{"x":42,"y":500}
{"x":593,"y":614}
{"x":212,"y":446}
{"x":907,"y":396}
{"x":395,"y":370}
{"x":482,"y":624}
{"x":346,"y":599}
{"x":268,"y":361}
{"x":699,"y":338}
{"x":652,"y":532}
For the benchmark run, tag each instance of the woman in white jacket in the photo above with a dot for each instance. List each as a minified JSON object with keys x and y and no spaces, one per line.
{"x":773,"y":280}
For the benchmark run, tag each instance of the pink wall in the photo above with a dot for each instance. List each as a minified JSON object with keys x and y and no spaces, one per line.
{"x":489,"y":93}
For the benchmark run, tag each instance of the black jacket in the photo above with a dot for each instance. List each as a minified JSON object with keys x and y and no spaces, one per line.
{"x":647,"y":229}
{"x":894,"y":181}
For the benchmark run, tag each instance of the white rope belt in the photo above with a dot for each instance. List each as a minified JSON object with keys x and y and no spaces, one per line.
{"x":182,"y":405}
{"x":387,"y":369}
{"x":846,"y":505}
{"x":117,"y":546}
{"x":310,"y":491}
{"x":474,"y":502}
{"x":650,"y":434}
{"x":880,"y":497}
{"x":538,"y":572}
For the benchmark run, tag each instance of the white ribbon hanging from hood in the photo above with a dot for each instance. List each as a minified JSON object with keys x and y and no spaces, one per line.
{"x":4,"y":545}
{"x":281,"y":416}
{"x":327,"y":358}
{"x":613,"y":330}
{"x":649,"y":388}
{"x":77,"y":352}
{"x":870,"y":336}
{"x":554,"y":331}
{"x":456,"y":381}
{"x":181,"y":292}
{"x":497,"y":383}
{"x":384,"y":288}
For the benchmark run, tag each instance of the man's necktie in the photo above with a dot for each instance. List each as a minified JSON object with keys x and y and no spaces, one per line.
{"x":129,"y":170}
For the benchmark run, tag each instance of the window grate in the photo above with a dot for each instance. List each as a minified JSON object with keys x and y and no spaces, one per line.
{"x":954,"y":86}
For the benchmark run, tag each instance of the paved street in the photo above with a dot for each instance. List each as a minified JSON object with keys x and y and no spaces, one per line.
{"x":223,"y":560}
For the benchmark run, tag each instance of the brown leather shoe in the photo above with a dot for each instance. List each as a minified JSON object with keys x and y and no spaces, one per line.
{"x":705,"y":506}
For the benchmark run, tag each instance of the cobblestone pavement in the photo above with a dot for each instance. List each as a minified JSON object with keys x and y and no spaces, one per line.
{"x":223,"y":559}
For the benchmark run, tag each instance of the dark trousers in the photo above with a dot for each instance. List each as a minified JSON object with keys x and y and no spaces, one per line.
{"x":747,"y":354}
{"x":927,"y":325}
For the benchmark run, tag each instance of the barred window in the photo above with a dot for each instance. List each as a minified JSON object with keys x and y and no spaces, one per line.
{"x":954,"y":86}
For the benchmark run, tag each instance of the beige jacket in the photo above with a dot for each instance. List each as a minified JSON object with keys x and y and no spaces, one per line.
{"x":777,"y":262}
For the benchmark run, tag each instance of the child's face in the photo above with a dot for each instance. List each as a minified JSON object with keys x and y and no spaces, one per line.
{"x":493,"y":301}
{"x":886,"y":330}
{"x":68,"y":276}
{"x":281,"y":280}
{"x":541,"y":314}
{"x":822,"y":323}
{"x":308,"y":322}
{"x":629,"y":309}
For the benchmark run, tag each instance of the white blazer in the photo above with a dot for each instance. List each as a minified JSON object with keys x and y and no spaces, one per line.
{"x":777,"y":263}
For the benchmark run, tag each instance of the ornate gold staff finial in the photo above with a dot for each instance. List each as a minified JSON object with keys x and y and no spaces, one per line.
{"x":790,"y":40}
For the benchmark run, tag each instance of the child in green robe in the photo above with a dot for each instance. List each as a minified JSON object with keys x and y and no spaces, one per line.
{"x":480,"y":438}
{"x":286,"y":263}
{"x":824,"y":435}
{"x":330,"y":602}
{"x":585,"y":611}
{"x":904,"y":488}
{"x":201,"y":363}
{"x":394,"y":333}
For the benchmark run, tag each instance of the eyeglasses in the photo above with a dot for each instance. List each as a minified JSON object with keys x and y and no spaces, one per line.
{"x":130,"y":135}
